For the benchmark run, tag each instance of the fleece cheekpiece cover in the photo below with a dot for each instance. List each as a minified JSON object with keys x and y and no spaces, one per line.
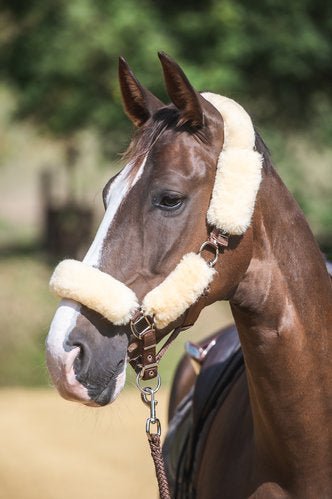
{"x":232,"y":204}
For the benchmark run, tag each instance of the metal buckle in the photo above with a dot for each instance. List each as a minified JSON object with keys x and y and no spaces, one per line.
{"x":148,"y":367}
{"x":219,"y":237}
{"x":215,"y":247}
{"x":135,"y":325}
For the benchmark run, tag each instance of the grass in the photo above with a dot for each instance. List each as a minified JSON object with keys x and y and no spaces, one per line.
{"x":26,"y":308}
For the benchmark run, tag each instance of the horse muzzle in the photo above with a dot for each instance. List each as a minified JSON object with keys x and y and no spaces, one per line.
{"x":85,"y":362}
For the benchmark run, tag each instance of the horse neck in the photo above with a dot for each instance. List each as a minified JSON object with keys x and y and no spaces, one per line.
{"x":283,"y":311}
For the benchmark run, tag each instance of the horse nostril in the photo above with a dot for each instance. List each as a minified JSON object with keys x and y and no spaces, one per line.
{"x":78,"y":363}
{"x":82,"y":360}
{"x":120,"y":367}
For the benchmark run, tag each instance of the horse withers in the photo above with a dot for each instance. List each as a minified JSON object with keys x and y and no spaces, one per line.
{"x":194,"y":167}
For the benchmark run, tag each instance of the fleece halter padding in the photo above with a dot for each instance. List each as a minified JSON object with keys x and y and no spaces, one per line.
{"x":181,"y":288}
{"x":95,"y":289}
{"x":232,"y":204}
{"x":238,"y":171}
{"x":117,"y":303}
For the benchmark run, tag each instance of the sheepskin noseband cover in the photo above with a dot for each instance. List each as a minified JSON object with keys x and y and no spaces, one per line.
{"x":117,"y":303}
{"x":95,"y":289}
{"x":232,"y":204}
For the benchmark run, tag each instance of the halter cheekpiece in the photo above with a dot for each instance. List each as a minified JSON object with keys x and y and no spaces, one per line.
{"x":238,"y":177}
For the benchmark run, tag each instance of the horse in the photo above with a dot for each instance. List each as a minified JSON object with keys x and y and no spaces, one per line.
{"x":197,"y":215}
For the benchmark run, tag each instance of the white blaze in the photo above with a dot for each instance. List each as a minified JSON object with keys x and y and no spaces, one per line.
{"x":118,"y":190}
{"x":68,"y":311}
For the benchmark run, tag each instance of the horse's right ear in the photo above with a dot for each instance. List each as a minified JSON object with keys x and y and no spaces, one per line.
{"x":139,"y":103}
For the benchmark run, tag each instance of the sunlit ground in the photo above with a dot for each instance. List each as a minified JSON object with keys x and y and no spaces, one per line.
{"x":53,"y":449}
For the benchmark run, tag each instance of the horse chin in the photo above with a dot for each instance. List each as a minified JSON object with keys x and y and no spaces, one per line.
{"x":109,"y":394}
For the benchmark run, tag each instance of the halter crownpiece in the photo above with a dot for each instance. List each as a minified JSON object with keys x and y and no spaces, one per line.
{"x":238,"y":173}
{"x":232,"y":204}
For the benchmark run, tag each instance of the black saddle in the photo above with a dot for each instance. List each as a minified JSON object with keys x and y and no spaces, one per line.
{"x":189,"y":427}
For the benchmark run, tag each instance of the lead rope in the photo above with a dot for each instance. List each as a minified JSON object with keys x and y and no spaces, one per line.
{"x":148,"y":398}
{"x":145,"y":358}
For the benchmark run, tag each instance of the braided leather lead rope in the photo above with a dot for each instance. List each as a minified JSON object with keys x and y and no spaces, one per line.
{"x":156,"y":453}
{"x":153,"y":432}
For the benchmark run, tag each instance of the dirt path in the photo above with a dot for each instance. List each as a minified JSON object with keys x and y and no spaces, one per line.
{"x":53,"y":449}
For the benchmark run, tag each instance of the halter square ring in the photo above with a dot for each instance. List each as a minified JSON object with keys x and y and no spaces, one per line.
{"x":141,"y":325}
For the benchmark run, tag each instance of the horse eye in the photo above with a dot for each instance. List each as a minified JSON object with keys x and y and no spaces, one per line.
{"x":168,"y":202}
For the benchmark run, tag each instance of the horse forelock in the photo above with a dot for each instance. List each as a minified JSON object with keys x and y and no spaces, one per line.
{"x":167,"y":118}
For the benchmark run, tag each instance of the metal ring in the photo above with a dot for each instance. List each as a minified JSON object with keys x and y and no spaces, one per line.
{"x":207,"y":244}
{"x":133,"y":325}
{"x":143,"y":389}
{"x":148,"y":424}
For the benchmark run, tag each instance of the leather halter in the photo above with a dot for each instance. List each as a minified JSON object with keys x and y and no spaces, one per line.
{"x":142,"y":350}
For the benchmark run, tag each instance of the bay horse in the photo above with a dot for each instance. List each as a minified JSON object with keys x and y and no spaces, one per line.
{"x":196,"y":166}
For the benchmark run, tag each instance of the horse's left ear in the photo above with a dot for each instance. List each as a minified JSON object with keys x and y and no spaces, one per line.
{"x":139,"y":103}
{"x":181,"y":92}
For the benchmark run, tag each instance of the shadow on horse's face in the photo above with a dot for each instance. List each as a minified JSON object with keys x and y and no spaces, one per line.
{"x":155,"y":213}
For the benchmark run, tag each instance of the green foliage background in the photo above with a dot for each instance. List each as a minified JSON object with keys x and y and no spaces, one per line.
{"x":275,"y":55}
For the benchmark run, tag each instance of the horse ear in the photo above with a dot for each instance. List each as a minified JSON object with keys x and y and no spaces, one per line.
{"x":181,"y":93}
{"x":138,"y":102}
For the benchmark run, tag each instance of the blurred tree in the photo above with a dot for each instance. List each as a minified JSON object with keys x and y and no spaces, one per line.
{"x":275,"y":55}
{"x":62,"y":58}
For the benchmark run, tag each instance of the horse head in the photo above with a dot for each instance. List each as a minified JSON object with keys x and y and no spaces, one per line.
{"x":191,"y":167}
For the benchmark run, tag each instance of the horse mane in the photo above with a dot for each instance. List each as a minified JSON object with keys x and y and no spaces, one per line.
{"x":263,"y":149}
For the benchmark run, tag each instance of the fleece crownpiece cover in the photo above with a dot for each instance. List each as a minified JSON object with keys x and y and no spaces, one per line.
{"x":232,"y":204}
{"x":238,"y":173}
